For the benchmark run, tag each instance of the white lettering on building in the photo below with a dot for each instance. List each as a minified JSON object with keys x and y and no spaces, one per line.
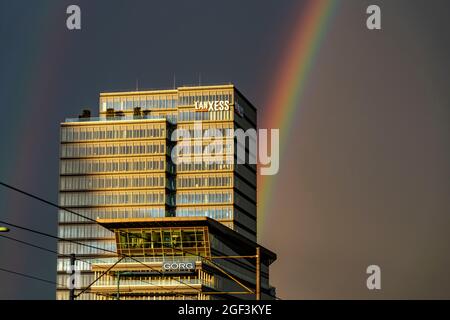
{"x":209,"y":106}
{"x":178,"y":266}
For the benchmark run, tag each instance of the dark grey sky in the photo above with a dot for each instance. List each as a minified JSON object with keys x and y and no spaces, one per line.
{"x":365,"y":181}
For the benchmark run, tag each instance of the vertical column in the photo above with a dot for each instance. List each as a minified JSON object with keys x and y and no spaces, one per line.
{"x":72,"y":277}
{"x":258,"y":273}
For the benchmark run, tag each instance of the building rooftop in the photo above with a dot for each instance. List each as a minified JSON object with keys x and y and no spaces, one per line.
{"x":246,"y":245}
{"x":158,"y":91}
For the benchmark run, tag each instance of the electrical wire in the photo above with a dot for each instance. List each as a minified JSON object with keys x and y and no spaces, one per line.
{"x":66,"y":255}
{"x":98,"y":248}
{"x":96,"y":222}
{"x":45,"y":201}
{"x":29,"y":276}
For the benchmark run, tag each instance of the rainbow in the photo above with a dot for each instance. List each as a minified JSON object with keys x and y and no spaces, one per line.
{"x":291,"y":80}
{"x":35,"y":81}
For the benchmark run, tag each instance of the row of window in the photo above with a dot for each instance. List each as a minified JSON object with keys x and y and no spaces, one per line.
{"x":64,"y":264}
{"x":205,"y":180}
{"x":85,"y":133}
{"x":205,"y":197}
{"x":106,"y":149}
{"x":64,"y":295}
{"x":84,"y":231}
{"x":81,"y":199}
{"x":205,"y":129}
{"x":156,"y":281}
{"x":205,"y":165}
{"x":87,"y":247}
{"x":205,"y":116}
{"x":112,"y":213}
{"x":131,"y":131}
{"x":189,"y":98}
{"x":114,"y":181}
{"x":163,"y":101}
{"x":88,"y":166}
{"x":162,"y":238}
{"x":140,"y":101}
{"x":213,"y":148}
{"x":211,"y":212}
{"x":209,"y":135}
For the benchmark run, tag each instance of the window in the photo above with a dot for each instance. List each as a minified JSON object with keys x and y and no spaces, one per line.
{"x":164,"y":241}
{"x":76,"y":199}
{"x":130,"y":131}
{"x":204,"y":197}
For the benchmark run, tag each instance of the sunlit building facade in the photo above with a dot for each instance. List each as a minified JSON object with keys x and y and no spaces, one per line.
{"x":151,"y":210}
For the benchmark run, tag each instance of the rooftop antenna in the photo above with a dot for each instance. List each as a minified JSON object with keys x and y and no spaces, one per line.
{"x":174,"y":81}
{"x":137,"y":84}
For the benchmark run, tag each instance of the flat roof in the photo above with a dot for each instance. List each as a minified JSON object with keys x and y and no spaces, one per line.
{"x":161,"y":91}
{"x":216,"y":228}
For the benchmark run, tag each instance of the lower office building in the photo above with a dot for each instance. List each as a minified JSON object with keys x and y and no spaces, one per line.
{"x":181,"y":258}
{"x":157,"y":228}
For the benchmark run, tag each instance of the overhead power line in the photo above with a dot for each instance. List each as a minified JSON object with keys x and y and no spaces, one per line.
{"x":67,"y":255}
{"x":98,"y":248}
{"x":41,"y":248}
{"x":28,"y":276}
{"x":96,"y":222}
{"x":45,"y":201}
{"x":30,"y":244}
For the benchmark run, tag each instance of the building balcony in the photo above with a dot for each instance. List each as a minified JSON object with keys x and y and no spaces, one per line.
{"x":107,"y":262}
{"x":151,"y":286}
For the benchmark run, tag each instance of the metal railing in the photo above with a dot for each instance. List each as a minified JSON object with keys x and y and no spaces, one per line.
{"x":146,"y":282}
{"x":107,"y":261}
{"x":116,"y":118}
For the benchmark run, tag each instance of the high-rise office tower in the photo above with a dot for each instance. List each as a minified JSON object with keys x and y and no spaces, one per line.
{"x":157,"y":177}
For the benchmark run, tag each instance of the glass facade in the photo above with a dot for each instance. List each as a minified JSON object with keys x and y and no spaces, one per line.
{"x":204,"y":197}
{"x":84,"y":231}
{"x":221,"y":129}
{"x":191,"y":115}
{"x":218,"y":213}
{"x":113,"y":165}
{"x":129,"y":102}
{"x":112,"y":132}
{"x":87,"y":247}
{"x":202,"y":164}
{"x":189,"y":97}
{"x":164,"y":242}
{"x":205,"y":181}
{"x":112,"y":148}
{"x":108,"y":198}
{"x":112,"y":213}
{"x":110,"y":169}
{"x":136,"y":181}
